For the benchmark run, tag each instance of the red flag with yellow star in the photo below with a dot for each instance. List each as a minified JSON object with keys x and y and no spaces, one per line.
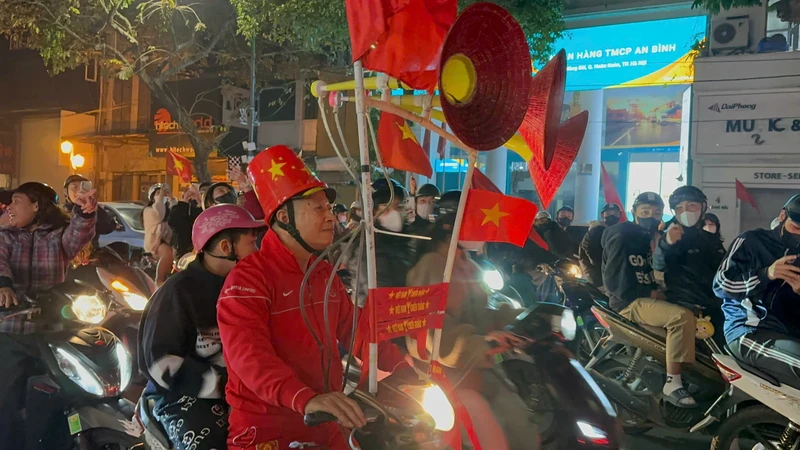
{"x":399,"y":147}
{"x":493,"y":217}
{"x":180,"y":166}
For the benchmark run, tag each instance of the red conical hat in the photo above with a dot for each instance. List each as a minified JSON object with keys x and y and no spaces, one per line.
{"x":570,"y":138}
{"x":485,"y":76}
{"x":542,"y":120}
{"x":278,"y":174}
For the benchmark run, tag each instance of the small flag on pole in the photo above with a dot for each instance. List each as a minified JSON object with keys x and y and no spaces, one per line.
{"x":744,"y":195}
{"x":179,"y":166}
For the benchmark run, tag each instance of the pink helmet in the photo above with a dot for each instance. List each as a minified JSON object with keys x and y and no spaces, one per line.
{"x":220,"y":218}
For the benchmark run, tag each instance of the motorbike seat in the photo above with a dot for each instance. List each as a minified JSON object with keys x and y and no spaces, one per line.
{"x":151,"y":425}
{"x":749,"y":368}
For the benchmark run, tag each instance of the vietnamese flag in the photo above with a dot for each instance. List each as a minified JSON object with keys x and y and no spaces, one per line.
{"x":399,"y":147}
{"x":493,"y":217}
{"x":180,"y":166}
{"x":401,"y":38}
{"x":744,"y":195}
{"x":610,"y":193}
{"x":482,"y":182}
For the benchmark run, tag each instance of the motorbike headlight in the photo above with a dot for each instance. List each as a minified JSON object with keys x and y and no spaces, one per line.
{"x":574,"y":271}
{"x":493,"y":279}
{"x":435,"y":403}
{"x":125,"y":365}
{"x":89,"y":309}
{"x":135,"y":301}
{"x":569,"y":326}
{"x":76,"y":371}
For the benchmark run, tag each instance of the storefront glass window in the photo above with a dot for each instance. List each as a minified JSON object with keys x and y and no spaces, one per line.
{"x":654,"y":172}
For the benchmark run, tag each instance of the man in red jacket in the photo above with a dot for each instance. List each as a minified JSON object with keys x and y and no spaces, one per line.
{"x":275,"y":364}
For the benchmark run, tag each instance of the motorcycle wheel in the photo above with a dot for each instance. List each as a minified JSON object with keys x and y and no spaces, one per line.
{"x":105,"y":439}
{"x":631,"y":423}
{"x":752,"y":428}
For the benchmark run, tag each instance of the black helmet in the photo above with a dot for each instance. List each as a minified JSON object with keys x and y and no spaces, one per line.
{"x":792,"y":208}
{"x":208,"y":196}
{"x":428,"y":190}
{"x":611,"y":207}
{"x":686,"y":194}
{"x":339,"y":208}
{"x":566,"y":208}
{"x":73,"y":178}
{"x":448,"y":202}
{"x":648,"y":198}
{"x":38,"y":192}
{"x":382,"y":192}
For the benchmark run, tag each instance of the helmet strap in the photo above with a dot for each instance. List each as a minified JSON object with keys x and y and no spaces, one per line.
{"x":293,"y":231}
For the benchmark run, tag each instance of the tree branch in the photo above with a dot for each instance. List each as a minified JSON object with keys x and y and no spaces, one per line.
{"x":199,"y":56}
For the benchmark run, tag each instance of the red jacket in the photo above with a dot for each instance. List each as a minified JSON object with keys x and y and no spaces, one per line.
{"x":274,"y":363}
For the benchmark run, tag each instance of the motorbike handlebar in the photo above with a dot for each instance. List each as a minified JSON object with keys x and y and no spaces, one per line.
{"x":318,"y":418}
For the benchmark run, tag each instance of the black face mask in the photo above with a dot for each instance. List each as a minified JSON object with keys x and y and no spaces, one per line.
{"x":227,"y":199}
{"x":649,"y":223}
{"x":611,"y":220}
{"x":792,"y":241}
{"x":564,"y":221}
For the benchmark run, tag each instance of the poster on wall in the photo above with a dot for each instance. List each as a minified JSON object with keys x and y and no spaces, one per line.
{"x":632,"y":54}
{"x":643,"y":116}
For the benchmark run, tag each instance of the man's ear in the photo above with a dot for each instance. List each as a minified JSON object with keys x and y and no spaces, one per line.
{"x":282,"y":215}
{"x":36,"y":206}
{"x":226,"y":246}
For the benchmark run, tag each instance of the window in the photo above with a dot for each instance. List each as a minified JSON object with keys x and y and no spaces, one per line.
{"x":654,"y":172}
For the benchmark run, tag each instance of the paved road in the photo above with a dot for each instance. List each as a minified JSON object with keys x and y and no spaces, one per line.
{"x":644,"y":133}
{"x":662,"y":440}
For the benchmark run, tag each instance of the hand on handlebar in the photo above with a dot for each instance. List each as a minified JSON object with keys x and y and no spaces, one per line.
{"x":8,"y":298}
{"x":343,"y":407}
{"x":503,"y":340}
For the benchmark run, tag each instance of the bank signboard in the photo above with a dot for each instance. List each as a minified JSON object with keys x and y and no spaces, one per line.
{"x":753,"y":123}
{"x":632,"y":54}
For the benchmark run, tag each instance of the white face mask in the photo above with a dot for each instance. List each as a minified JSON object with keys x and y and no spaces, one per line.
{"x":689,"y":218}
{"x":425,"y":211}
{"x":391,"y":220}
{"x":470,"y":246}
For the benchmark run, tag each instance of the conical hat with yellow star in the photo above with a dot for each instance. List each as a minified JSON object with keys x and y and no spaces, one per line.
{"x":278,"y":174}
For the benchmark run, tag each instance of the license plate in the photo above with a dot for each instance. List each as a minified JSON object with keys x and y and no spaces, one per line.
{"x":74,"y":422}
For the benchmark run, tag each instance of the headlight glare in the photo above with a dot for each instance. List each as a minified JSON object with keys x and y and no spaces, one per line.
{"x":574,"y":271}
{"x":124,"y":361}
{"x":136,"y":301}
{"x":493,"y":279}
{"x":89,"y":309}
{"x":76,"y":371}
{"x":435,"y":403}
{"x":569,"y":326}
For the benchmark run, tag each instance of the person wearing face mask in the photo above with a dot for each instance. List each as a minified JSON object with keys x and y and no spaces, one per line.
{"x":393,"y":253}
{"x":354,"y":215}
{"x":157,"y":233}
{"x":711,"y":224}
{"x":340,"y":211}
{"x":689,"y":256}
{"x":556,"y":237}
{"x":179,"y":343}
{"x":633,"y":293}
{"x":759,"y":284}
{"x":424,"y":204}
{"x":219,"y":193}
{"x":590,"y":252}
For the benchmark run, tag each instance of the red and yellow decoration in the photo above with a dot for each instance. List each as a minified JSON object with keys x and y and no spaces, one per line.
{"x":405,"y":310}
{"x":488,"y":218}
{"x":179,"y":166}
{"x":399,"y":147}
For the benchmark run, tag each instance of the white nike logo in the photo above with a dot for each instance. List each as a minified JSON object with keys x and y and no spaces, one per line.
{"x":286,"y":294}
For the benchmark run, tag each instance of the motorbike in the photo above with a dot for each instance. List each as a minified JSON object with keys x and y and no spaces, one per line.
{"x":72,"y":399}
{"x":129,"y":289}
{"x":544,"y":373}
{"x":756,"y":412}
{"x":629,"y":365}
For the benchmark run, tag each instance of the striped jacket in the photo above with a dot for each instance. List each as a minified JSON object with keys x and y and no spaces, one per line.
{"x":751,"y":301}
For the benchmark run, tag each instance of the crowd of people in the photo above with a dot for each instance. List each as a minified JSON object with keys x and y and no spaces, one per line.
{"x":236,"y":344}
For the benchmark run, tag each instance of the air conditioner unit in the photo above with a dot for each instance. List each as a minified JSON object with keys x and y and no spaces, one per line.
{"x":730,"y":33}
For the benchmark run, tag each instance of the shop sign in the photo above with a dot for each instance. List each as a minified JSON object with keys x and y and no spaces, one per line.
{"x":752,"y":175}
{"x":747,"y":124}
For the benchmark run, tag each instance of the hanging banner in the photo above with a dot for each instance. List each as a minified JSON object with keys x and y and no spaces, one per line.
{"x":405,"y":302}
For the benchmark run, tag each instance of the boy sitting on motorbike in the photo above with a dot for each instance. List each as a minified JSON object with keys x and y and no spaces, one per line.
{"x":628,"y":277}
{"x":468,"y":329}
{"x":759,"y":284}
{"x":690,"y":256}
{"x":179,"y":340}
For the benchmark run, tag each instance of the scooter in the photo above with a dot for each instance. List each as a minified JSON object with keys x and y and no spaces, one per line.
{"x":72,"y":400}
{"x":756,"y":412}
{"x":629,"y":365}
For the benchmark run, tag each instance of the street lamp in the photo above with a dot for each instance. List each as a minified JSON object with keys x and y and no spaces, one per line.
{"x":76,"y":160}
{"x":66,"y":147}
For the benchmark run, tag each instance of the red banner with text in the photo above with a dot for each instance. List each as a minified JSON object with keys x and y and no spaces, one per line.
{"x":405,"y":310}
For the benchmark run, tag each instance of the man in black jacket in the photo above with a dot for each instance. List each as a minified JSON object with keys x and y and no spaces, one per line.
{"x":179,"y":343}
{"x":628,"y":278}
{"x":424,"y":208}
{"x":181,"y":218}
{"x":759,"y":284}
{"x":105,"y":222}
{"x":689,"y":256}
{"x":557,"y":239}
{"x":590,"y":252}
